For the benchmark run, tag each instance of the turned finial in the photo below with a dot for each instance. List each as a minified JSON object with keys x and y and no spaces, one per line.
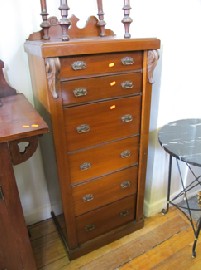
{"x":64,"y":22}
{"x":101,"y":22}
{"x":45,"y":24}
{"x":127,"y":20}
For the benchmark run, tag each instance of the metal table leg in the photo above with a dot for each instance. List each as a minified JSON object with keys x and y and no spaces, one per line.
{"x":164,"y":211}
{"x":188,"y":208}
{"x":196,"y":238}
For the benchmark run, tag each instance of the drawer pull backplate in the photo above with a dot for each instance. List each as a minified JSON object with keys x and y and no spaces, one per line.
{"x":127,"y":118}
{"x":127,"y":61}
{"x":85,"y":166}
{"x":88,"y":197}
{"x":125,"y":184}
{"x":124,"y":213}
{"x":127,"y":85}
{"x":80,"y":92}
{"x":89,"y":227}
{"x":125,"y":154}
{"x":83,"y":128}
{"x":78,"y":65}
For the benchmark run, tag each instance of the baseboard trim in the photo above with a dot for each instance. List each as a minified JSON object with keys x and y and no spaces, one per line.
{"x":151,"y":209}
{"x":41,"y":213}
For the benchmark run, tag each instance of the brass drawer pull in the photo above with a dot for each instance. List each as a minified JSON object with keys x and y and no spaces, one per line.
{"x":127,"y":61}
{"x":80,"y":92}
{"x":127,"y":85}
{"x":78,"y":65}
{"x":125,"y":154}
{"x":83,"y":128}
{"x":127,"y":118}
{"x":88,"y":197}
{"x":85,"y":166}
{"x":89,"y":227}
{"x":125,"y":184}
{"x":124,"y":213}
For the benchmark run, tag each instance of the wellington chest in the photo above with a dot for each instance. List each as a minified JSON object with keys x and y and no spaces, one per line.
{"x":94,"y":92}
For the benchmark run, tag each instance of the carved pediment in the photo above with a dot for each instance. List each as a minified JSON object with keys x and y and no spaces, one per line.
{"x":65,"y":28}
{"x":91,"y":29}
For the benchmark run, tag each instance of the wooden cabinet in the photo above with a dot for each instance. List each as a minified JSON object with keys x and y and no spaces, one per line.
{"x":19,"y":123}
{"x":95,"y":94}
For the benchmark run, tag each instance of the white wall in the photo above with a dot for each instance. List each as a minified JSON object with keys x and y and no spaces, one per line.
{"x":175,"y":93}
{"x":178,"y":28}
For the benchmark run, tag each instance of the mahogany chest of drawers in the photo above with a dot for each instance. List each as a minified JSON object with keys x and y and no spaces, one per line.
{"x":95,"y":94}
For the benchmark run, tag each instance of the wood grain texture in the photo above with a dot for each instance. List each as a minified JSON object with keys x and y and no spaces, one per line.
{"x":164,"y":243}
{"x":100,"y":64}
{"x":19,"y":119}
{"x":55,"y":32}
{"x":104,"y":219}
{"x":15,"y":242}
{"x":111,"y":87}
{"x":19,"y":122}
{"x":63,"y":169}
{"x":98,"y":165}
{"x":105,"y":190}
{"x":144,"y":136}
{"x":106,"y":124}
{"x":89,"y":46}
{"x":91,"y":134}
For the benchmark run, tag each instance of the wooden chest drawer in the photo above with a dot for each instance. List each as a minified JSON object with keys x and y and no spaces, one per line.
{"x":104,"y":219}
{"x":86,"y":90}
{"x":92,"y":124}
{"x":94,"y":162}
{"x":87,"y":65}
{"x":104,"y":190}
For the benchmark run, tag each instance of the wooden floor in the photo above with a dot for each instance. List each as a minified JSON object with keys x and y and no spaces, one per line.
{"x":164,"y":243}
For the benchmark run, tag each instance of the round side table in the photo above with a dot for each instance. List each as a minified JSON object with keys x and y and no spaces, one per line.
{"x":182,"y":140}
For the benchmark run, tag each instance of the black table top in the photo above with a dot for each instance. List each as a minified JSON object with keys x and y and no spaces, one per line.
{"x":182,"y":139}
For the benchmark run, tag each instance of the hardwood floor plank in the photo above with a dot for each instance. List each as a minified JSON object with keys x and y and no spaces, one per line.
{"x":162,"y":252}
{"x":60,"y":264}
{"x":183,"y":256}
{"x":160,"y":245}
{"x":41,"y":228}
{"x":134,"y":247}
{"x":48,"y":249}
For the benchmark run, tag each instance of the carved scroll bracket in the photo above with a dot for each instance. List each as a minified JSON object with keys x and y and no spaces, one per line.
{"x":53,"y":67}
{"x":153,"y":57}
{"x":19,"y":156}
